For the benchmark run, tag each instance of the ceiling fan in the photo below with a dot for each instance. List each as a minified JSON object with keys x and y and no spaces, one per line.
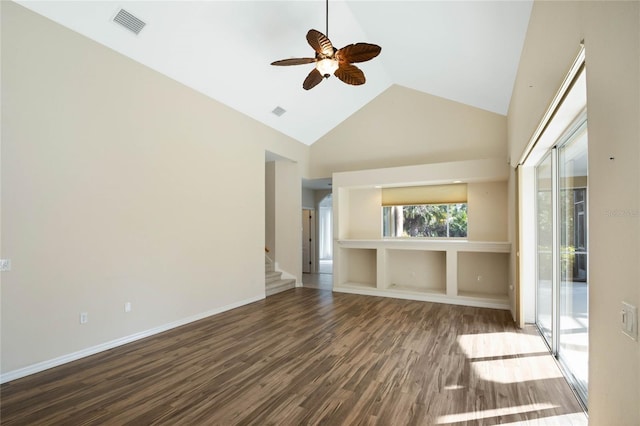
{"x":330,"y":60}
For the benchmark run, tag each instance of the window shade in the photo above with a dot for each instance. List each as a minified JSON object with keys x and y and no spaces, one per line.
{"x":431,"y":194}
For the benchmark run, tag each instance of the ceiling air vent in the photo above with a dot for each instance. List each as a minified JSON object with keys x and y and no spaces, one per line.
{"x":129,"y":21}
{"x":278,"y":111}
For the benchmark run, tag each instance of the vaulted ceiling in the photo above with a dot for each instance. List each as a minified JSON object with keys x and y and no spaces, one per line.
{"x":466,"y":51}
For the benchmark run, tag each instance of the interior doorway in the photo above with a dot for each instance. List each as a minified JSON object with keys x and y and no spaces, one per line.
{"x":317,"y":239}
{"x":325,"y":239}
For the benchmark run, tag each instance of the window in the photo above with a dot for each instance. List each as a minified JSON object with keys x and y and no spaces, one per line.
{"x":425,"y":220}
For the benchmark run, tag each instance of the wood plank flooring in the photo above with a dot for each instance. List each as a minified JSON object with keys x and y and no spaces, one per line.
{"x":308,"y":356}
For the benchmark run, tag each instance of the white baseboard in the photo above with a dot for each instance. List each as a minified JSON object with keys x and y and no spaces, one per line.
{"x":426,"y":297}
{"x":45,"y":365}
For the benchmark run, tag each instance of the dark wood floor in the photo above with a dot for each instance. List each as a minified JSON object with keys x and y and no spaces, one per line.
{"x":308,"y":356}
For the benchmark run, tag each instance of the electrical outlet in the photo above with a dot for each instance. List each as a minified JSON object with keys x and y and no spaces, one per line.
{"x":127,"y":307}
{"x":629,"y":320}
{"x":84,"y":317}
{"x":5,"y":265}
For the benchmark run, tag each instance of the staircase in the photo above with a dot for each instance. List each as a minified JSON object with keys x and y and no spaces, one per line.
{"x":274,"y":282}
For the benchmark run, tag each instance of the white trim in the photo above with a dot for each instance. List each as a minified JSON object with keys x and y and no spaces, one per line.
{"x":45,"y":365}
{"x":429,"y":244}
{"x":527,"y":253}
{"x":470,"y":171}
{"x":495,"y":302}
{"x":555,"y":103}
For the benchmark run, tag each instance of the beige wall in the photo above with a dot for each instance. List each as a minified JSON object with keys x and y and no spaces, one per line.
{"x":484,"y":273}
{"x":404,"y":127}
{"x":270,"y":208}
{"x":288,"y":219}
{"x":119,"y":185}
{"x":416,"y":269}
{"x":611,"y":33}
{"x":365,"y":214}
{"x":283,"y":226}
{"x":308,"y":199}
{"x":487,"y":211}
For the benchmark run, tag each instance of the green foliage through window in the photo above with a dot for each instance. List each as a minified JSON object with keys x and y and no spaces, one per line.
{"x":427,"y":220}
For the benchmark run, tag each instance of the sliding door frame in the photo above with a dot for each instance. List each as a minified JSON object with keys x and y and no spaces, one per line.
{"x":579,"y":124}
{"x":564,"y":116}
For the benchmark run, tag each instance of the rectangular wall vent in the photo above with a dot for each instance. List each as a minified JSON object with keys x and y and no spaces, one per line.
{"x":278,"y":111}
{"x":129,"y":21}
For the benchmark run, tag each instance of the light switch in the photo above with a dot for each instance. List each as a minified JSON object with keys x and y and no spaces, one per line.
{"x":629,"y":320}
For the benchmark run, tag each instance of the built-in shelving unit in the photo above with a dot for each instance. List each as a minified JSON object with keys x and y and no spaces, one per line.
{"x":473,"y":272}
{"x":429,"y":270}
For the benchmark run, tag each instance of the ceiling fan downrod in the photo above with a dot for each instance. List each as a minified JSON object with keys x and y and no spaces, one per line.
{"x":327,"y":19}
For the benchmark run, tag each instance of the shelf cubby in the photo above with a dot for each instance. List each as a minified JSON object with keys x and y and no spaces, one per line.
{"x":358,"y":267}
{"x":416,"y":270}
{"x":483,"y":274}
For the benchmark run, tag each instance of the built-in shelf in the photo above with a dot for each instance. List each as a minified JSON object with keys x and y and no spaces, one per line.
{"x":473,"y":273}
{"x":354,"y":285}
{"x":419,"y":290}
{"x":428,"y":244}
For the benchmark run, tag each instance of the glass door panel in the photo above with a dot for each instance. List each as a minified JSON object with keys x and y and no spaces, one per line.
{"x":544,"y":288}
{"x":573,"y":299}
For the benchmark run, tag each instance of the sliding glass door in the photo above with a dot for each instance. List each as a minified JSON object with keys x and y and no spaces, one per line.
{"x":562,"y":253}
{"x":544,"y":288}
{"x":573,"y":310}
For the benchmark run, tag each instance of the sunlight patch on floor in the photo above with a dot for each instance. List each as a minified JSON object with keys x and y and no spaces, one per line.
{"x":453,"y":387}
{"x":517,"y":370}
{"x":494,"y":412}
{"x":485,"y":345}
{"x":572,"y":419}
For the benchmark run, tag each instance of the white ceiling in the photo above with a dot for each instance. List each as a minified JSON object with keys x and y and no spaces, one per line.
{"x":466,"y":51}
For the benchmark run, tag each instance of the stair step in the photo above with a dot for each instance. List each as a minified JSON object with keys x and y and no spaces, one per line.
{"x":279,"y":286}
{"x":272,"y":276}
{"x":273,"y":279}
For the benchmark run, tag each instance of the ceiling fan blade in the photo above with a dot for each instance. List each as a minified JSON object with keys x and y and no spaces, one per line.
{"x":359,"y":52}
{"x":294,"y":61}
{"x":350,"y":74}
{"x":320,"y":43}
{"x":312,"y":80}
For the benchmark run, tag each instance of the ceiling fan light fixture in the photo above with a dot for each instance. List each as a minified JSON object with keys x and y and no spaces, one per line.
{"x":327,"y":66}
{"x":330,"y":60}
